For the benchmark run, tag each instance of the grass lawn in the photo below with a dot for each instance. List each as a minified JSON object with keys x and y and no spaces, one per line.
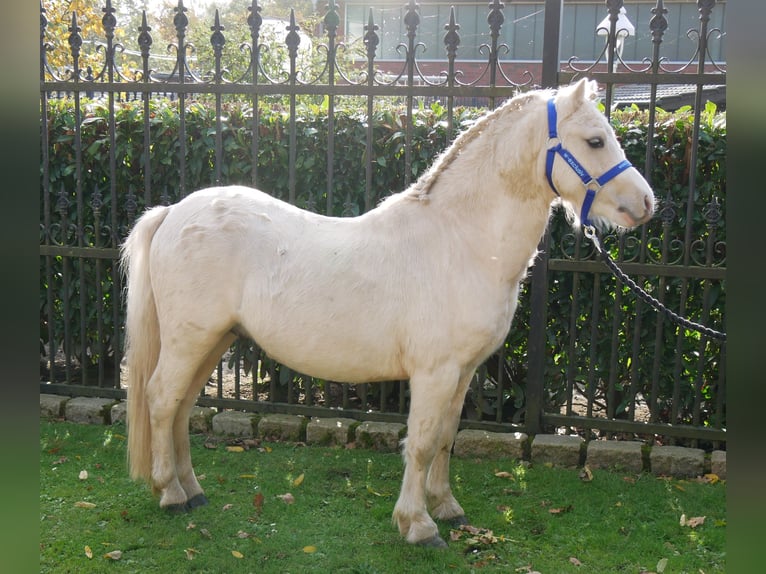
{"x":288,"y":508}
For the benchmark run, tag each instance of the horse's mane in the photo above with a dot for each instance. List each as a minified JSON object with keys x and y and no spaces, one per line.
{"x":421,"y":188}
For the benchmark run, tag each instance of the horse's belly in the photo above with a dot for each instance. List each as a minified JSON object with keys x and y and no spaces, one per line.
{"x":336,"y":358}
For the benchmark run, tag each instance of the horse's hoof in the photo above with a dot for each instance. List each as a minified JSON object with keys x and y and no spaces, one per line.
{"x":457,"y":521}
{"x":434,"y":542}
{"x":196,"y":501}
{"x":176,"y":508}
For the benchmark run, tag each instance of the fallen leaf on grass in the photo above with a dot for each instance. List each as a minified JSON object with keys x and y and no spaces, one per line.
{"x":586,"y":475}
{"x":504,"y":474}
{"x":88,"y":552}
{"x":227,"y":506}
{"x":205,"y":533}
{"x":83,"y":504}
{"x":560,"y":510}
{"x":298,"y":481}
{"x":661,"y":565}
{"x":473,"y":536}
{"x":190,"y":553}
{"x":243,"y":534}
{"x":235,"y":449}
{"x":258,"y":502}
{"x":709,"y":478}
{"x":309,"y":549}
{"x":237,"y":554}
{"x":287,"y":498}
{"x":693,"y":522}
{"x":574,"y":561}
{"x":83,"y":475}
{"x":113,"y":555}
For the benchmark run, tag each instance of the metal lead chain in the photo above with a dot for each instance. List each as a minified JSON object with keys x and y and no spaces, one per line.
{"x":590,"y":233}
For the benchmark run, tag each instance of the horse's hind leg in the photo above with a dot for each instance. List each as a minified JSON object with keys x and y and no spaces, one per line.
{"x":194,"y":492}
{"x":167,"y":396}
{"x":443,"y":504}
{"x":431,"y":394}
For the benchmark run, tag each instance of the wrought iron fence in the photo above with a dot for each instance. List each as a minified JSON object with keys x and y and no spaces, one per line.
{"x":582,"y":356}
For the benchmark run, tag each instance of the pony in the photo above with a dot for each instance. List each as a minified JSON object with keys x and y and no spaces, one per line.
{"x":422,"y":287}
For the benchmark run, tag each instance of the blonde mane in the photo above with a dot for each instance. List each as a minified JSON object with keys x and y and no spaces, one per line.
{"x":423,"y":186}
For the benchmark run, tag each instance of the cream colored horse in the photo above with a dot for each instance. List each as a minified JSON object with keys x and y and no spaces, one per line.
{"x":423,"y":287}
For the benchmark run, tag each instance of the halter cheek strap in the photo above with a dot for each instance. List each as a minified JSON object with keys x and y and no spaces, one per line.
{"x":592,"y":185}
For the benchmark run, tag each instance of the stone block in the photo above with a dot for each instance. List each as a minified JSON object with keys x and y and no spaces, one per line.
{"x":677,"y":461}
{"x":384,"y":437}
{"x":119,"y":412}
{"x":52,"y":406}
{"x":330,"y":431}
{"x":235,"y":423}
{"x":718,"y":463}
{"x":557,"y":450}
{"x":615,"y":455}
{"x":89,"y":410}
{"x":474,"y":443}
{"x":282,"y":427}
{"x":201,"y":419}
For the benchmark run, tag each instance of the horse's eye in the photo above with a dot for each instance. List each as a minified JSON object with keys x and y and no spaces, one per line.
{"x":596,"y":142}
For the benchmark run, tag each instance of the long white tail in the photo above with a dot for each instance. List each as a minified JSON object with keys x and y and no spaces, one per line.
{"x":142,"y":338}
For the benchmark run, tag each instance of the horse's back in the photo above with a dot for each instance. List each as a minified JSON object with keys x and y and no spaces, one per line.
{"x":303,"y":286}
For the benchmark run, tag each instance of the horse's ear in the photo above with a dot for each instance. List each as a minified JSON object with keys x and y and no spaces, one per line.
{"x":585,"y":89}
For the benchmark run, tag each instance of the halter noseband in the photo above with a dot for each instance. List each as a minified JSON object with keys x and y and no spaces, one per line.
{"x":592,"y":185}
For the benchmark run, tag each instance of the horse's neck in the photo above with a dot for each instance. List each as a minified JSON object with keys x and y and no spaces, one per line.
{"x":493,"y":193}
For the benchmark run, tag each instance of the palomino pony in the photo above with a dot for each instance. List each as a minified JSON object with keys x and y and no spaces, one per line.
{"x":423,"y":287}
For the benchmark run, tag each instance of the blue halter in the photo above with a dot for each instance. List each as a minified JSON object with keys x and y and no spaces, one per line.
{"x":592,"y":185}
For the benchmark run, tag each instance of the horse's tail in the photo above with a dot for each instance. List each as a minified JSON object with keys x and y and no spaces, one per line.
{"x":142,"y":338}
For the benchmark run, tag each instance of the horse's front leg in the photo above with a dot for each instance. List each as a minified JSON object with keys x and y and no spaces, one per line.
{"x":431,"y":394}
{"x":441,"y":501}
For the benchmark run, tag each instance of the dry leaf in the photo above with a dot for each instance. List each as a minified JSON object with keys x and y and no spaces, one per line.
{"x":309,"y":549}
{"x":237,"y":554}
{"x":243,"y":534}
{"x":661,"y":565}
{"x":586,"y":475}
{"x":235,"y":449}
{"x":298,"y":481}
{"x":693,"y":522}
{"x":83,"y":475}
{"x":560,"y":510}
{"x":190,"y":553}
{"x":504,"y":474}
{"x":113,"y":555}
{"x":205,"y":533}
{"x":227,"y":506}
{"x":258,"y":502}
{"x":83,"y":504}
{"x":88,"y":552}
{"x":191,"y":526}
{"x":575,"y":561}
{"x":287,"y":498}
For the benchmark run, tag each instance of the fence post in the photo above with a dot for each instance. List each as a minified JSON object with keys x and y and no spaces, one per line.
{"x":539,"y":277}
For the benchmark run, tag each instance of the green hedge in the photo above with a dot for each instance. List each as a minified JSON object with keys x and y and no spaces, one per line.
{"x":105,"y":223}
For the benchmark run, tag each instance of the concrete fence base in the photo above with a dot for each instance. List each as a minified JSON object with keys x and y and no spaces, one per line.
{"x":555,"y":450}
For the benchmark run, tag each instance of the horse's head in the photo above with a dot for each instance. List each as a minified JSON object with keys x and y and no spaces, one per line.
{"x":586,"y":165}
